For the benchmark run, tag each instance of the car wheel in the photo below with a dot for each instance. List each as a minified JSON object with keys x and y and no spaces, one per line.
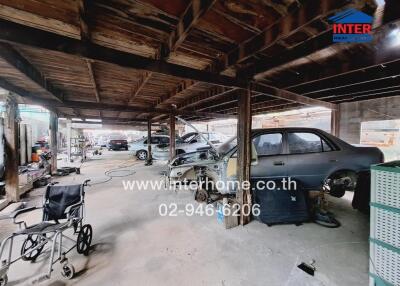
{"x":141,"y":155}
{"x":340,"y":182}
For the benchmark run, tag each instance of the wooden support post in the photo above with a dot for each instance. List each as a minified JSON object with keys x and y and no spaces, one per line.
{"x":53,"y":127}
{"x":149,"y":160}
{"x":335,"y":121}
{"x":69,"y":123}
{"x":243,"y":195}
{"x":171,"y":136}
{"x":11,"y":148}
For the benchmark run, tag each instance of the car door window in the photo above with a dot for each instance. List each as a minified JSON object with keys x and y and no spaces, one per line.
{"x":306,"y":142}
{"x":164,"y":140}
{"x":155,"y":140}
{"x":268,"y":144}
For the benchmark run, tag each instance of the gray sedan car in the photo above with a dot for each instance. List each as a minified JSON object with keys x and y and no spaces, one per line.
{"x":309,"y":156}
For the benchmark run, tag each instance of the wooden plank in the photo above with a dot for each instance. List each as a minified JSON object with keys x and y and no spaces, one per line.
{"x":18,"y":34}
{"x":11,"y":148}
{"x":285,"y":27}
{"x":171,"y":136}
{"x":243,"y":196}
{"x":83,"y":6}
{"x":16,"y":60}
{"x":21,"y":92}
{"x":194,"y":11}
{"x":290,"y":96}
{"x":143,"y":79}
{"x":93,"y":79}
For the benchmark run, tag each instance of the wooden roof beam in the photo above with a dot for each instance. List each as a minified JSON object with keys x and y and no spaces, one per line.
{"x":285,"y":27}
{"x":93,"y":79}
{"x":143,"y":79}
{"x":17,"y":61}
{"x":192,"y":14}
{"x":19,"y":34}
{"x":22,"y":92}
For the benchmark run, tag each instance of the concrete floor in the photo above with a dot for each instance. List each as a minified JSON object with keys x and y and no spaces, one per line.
{"x":133,"y":245}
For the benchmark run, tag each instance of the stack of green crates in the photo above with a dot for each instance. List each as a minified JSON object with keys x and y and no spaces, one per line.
{"x":384,"y":261}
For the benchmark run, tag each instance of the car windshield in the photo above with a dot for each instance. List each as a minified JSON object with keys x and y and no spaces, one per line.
{"x":227,"y":146}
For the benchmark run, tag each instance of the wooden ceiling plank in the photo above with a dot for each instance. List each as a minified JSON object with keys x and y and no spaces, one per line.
{"x":17,"y":61}
{"x":194,"y":11}
{"x":19,"y":34}
{"x":286,"y":26}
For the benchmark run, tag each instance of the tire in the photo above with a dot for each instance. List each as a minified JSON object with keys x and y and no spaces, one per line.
{"x":341,"y":182}
{"x":141,"y":155}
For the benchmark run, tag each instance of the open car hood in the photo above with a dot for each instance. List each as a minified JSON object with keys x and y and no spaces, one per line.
{"x":200,"y":133}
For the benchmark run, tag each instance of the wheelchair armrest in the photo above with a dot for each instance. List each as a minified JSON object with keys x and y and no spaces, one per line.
{"x":68,"y":211}
{"x":15,"y":214}
{"x":21,"y":211}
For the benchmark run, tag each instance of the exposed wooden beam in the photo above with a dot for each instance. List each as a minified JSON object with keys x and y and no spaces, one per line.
{"x":339,"y":74}
{"x":143,"y":79}
{"x":290,"y":96}
{"x":211,"y":95}
{"x":21,"y":92}
{"x":24,"y":35}
{"x":11,"y":148}
{"x":192,"y":14}
{"x":285,"y":27}
{"x":83,"y":6}
{"x":204,"y":96}
{"x":243,"y":195}
{"x":93,"y":79}
{"x":179,"y":89}
{"x":17,"y":61}
{"x":19,"y":34}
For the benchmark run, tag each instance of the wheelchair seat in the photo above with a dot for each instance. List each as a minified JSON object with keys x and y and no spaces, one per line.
{"x":43,"y":227}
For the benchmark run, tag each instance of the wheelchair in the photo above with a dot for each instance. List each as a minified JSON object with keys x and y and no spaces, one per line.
{"x":63,"y":209}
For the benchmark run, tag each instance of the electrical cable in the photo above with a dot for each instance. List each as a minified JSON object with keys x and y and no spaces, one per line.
{"x":110,"y":173}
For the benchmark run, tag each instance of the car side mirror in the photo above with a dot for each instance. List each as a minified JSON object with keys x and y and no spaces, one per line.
{"x":193,"y":141}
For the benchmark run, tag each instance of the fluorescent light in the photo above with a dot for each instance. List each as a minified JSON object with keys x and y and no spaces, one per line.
{"x":93,"y":120}
{"x":76,"y":119}
{"x":394,"y":38}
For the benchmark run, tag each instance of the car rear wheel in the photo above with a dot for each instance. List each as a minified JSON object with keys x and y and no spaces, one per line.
{"x":341,"y":182}
{"x":141,"y":155}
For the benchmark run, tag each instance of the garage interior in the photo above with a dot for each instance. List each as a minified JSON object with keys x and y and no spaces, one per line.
{"x":143,"y":63}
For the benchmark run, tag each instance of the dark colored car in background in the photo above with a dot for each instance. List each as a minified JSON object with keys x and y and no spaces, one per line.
{"x":117,"y":145}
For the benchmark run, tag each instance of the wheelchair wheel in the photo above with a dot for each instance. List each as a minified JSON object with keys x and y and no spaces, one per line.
{"x":68,"y":271}
{"x":84,"y":239}
{"x":29,"y":243}
{"x":3,"y":280}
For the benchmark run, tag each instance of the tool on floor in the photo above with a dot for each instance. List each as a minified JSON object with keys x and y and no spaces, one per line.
{"x":308,"y":268}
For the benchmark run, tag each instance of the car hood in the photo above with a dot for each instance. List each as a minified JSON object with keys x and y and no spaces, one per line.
{"x":197,"y":158}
